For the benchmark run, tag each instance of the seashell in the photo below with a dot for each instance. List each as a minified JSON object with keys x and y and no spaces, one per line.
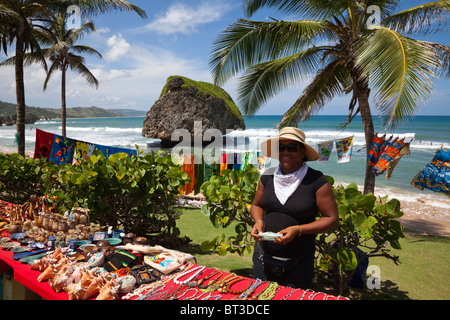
{"x":109,"y":291}
{"x":126,"y":284}
{"x":48,"y":273}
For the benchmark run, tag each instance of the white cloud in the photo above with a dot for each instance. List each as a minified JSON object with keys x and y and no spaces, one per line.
{"x":117,"y":48}
{"x":180,"y":18}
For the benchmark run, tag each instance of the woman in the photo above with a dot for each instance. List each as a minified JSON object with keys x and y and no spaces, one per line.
{"x":287,"y":202}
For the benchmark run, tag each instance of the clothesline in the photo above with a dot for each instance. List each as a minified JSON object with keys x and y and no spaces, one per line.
{"x":54,"y":147}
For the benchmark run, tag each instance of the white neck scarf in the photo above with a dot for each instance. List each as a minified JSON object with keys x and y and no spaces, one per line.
{"x":286,"y":184}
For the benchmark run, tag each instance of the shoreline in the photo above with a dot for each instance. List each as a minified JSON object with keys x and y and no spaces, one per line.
{"x":421,"y":216}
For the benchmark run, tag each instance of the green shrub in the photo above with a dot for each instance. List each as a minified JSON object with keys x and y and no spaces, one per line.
{"x":20,"y":178}
{"x":136,"y":193}
{"x":229,"y":198}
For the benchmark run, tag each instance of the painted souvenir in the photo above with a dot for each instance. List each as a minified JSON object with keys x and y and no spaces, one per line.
{"x":96,"y":259}
{"x":126,"y":283}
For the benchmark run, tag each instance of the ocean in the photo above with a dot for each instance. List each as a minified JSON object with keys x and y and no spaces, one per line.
{"x":428,"y":133}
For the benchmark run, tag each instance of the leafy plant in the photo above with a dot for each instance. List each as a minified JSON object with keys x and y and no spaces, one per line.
{"x":367,"y":225}
{"x":135,"y":193}
{"x":229,"y":198}
{"x":20,"y":178}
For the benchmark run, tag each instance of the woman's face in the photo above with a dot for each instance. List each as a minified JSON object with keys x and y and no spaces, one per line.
{"x":291,"y":155}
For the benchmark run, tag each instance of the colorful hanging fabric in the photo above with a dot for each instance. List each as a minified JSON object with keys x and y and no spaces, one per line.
{"x":82,"y":149}
{"x":62,"y":150}
{"x":188,"y":167}
{"x":108,"y":150}
{"x":247,"y":158}
{"x":261,"y":161}
{"x":237,"y":163}
{"x":43,"y":145}
{"x":392,"y":150}
{"x":405,"y":150}
{"x":375,"y":149}
{"x":199,"y":176}
{"x":324,"y":149}
{"x":435,"y":176}
{"x":344,"y":148}
{"x":223,"y":162}
{"x":210,"y":169}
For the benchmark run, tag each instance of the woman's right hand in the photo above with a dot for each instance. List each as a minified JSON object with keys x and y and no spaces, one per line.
{"x":258,"y":228}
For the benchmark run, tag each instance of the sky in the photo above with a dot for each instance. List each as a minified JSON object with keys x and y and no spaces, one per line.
{"x":138,"y":55}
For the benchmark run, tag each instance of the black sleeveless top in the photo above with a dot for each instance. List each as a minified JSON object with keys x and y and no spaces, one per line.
{"x":300,"y":208}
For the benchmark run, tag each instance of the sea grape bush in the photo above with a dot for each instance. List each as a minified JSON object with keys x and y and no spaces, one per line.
{"x":229,"y":197}
{"x":20,"y":178}
{"x":137,"y":194}
{"x":367,"y":223}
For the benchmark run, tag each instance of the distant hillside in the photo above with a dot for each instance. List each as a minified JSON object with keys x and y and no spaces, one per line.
{"x":9,"y":110}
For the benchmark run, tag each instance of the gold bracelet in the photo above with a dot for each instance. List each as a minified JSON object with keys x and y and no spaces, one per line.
{"x":301,"y":231}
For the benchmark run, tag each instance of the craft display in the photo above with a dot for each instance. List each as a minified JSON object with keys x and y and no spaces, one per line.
{"x":96,"y":268}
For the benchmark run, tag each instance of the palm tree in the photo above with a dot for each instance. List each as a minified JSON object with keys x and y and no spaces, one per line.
{"x":18,"y":21}
{"x":62,"y":54}
{"x":335,"y":45}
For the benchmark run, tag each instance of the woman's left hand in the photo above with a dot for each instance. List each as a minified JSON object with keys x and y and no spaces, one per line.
{"x":289,"y":234}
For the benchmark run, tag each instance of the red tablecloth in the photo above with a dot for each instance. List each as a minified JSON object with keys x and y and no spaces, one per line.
{"x":28,"y":277}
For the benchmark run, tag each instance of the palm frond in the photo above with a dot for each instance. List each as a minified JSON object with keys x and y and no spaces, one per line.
{"x":93,"y":7}
{"x":86,"y":50}
{"x":77,"y":64}
{"x":246,"y":43}
{"x":421,"y":19}
{"x":328,"y":83}
{"x":401,"y":69}
{"x":314,"y":9}
{"x":262,"y":81}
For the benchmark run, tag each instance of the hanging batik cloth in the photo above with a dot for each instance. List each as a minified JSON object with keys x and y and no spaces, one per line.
{"x":237,"y":164}
{"x":62,"y":150}
{"x":261,"y":161}
{"x":82,"y":150}
{"x":223,"y":162}
{"x":247,"y":159}
{"x":435,"y":175}
{"x":324,"y":149}
{"x":392,"y":150}
{"x":391,"y":165}
{"x":375,"y":149}
{"x":344,"y":148}
{"x":199,"y":175}
{"x":210,"y":169}
{"x":188,"y":167}
{"x":43,"y":145}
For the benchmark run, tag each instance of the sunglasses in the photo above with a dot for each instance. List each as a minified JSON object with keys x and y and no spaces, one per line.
{"x":291,"y":147}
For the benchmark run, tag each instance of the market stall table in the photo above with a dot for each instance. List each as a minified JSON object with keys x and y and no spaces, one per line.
{"x":182,"y":284}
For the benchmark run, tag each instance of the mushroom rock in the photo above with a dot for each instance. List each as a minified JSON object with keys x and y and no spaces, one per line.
{"x":189,"y":106}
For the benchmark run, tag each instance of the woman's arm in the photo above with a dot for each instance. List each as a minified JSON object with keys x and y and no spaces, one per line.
{"x":257,"y":213}
{"x":326,"y":203}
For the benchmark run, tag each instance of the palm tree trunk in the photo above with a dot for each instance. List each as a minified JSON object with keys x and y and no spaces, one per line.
{"x":366,"y":115}
{"x":20,"y":95}
{"x":63,"y":102}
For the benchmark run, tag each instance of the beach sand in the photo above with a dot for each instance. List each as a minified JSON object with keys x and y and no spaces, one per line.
{"x":420,"y":216}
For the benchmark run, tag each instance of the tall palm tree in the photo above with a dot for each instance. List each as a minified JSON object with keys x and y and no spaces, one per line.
{"x":18,"y":21}
{"x":344,"y":54}
{"x":62,"y":54}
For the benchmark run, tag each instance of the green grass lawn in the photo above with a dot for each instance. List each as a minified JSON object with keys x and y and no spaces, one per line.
{"x":423,"y":273}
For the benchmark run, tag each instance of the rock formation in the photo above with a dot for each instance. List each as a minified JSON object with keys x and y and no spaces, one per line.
{"x":184,"y":102}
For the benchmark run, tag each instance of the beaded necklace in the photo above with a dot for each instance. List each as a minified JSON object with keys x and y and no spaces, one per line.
{"x":270,"y":292}
{"x":233,"y":282}
{"x":195,"y":274}
{"x":250,"y":290}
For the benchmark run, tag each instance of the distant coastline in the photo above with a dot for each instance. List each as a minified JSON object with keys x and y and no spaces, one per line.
{"x":33,"y":114}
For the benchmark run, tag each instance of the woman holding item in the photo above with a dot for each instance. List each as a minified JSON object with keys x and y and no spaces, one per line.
{"x":287,"y":202}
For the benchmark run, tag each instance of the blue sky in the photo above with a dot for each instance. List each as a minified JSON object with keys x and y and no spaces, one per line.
{"x":176,"y":38}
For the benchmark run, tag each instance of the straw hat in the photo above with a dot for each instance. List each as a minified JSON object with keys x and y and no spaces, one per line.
{"x":269,"y":147}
